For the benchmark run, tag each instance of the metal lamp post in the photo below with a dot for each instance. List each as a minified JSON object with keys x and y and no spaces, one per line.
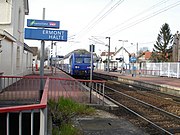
{"x":108,"y":54}
{"x":136,"y":60}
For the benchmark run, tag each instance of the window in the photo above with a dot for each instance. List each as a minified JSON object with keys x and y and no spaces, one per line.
{"x":87,"y":60}
{"x":78,"y":60}
{"x":18,"y":58}
{"x":5,"y":14}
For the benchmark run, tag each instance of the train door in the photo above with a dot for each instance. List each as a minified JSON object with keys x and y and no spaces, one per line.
{"x":70,"y":65}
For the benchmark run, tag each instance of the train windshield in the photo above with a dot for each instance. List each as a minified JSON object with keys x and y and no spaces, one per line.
{"x":79,"y":60}
{"x":82,"y":60}
{"x":87,"y":60}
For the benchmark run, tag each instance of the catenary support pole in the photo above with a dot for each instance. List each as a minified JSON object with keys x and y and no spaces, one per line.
{"x":108,"y":62}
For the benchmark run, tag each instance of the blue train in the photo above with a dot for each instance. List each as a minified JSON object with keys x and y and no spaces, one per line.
{"x":77,"y":63}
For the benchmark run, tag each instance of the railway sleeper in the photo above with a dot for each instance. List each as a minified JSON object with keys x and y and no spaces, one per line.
{"x":174,"y":130}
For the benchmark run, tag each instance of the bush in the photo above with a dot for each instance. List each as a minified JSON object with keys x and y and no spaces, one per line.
{"x":62,"y":112}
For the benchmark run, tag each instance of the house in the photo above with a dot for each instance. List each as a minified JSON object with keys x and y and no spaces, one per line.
{"x":123,"y":55}
{"x":15,"y":55}
{"x":103,"y":63}
{"x":144,"y":57}
{"x":114,"y":63}
{"x":104,"y":56}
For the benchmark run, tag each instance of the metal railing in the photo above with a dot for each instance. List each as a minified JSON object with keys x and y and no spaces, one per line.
{"x":24,"y":91}
{"x":20,"y":89}
{"x":82,"y":91}
{"x":20,"y":110}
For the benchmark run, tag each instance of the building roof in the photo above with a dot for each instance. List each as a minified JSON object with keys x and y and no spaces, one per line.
{"x":120,"y":50}
{"x":35,"y":50}
{"x":106,"y":53}
{"x":146,"y":55}
{"x":7,"y":35}
{"x":27,"y":48}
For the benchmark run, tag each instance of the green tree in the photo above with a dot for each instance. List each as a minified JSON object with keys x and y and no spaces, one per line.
{"x":162,"y":50}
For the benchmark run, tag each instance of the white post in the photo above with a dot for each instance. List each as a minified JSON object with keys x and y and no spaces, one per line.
{"x":32,"y":121}
{"x":160,"y":68}
{"x":7,"y":124}
{"x":178,"y":74}
{"x":168,"y":69}
{"x":43,"y":121}
{"x":20,"y":123}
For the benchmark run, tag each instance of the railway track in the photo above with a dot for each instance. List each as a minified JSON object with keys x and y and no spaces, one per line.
{"x":150,"y":90}
{"x":155,"y":112}
{"x":161,"y":121}
{"x":161,"y":100}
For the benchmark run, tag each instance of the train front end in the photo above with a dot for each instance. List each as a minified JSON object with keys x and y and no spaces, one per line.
{"x":81,"y":65}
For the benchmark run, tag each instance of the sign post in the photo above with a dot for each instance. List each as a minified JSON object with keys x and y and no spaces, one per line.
{"x":92,"y":49}
{"x":42,"y":63}
{"x":133,"y":60}
{"x":44,"y":35}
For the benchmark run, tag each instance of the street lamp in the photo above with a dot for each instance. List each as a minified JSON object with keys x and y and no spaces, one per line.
{"x":136,"y":49}
{"x":122,"y":50}
{"x":53,"y":44}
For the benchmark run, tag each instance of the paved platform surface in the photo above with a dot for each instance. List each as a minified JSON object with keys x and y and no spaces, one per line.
{"x":104,"y":123}
{"x":173,"y":82}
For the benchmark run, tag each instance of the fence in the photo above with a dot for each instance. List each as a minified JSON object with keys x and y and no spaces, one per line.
{"x":25,"y":90}
{"x":161,"y":69}
{"x":167,"y":69}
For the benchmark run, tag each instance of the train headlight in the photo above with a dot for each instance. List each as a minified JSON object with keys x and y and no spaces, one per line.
{"x":76,"y":66}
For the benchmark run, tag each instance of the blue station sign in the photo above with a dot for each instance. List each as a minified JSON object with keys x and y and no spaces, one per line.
{"x":133,"y":59}
{"x":46,"y":34}
{"x":43,"y":23}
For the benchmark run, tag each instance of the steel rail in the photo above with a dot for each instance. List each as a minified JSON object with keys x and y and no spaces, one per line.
{"x":135,"y":86}
{"x":147,"y":104}
{"x":137,"y":114}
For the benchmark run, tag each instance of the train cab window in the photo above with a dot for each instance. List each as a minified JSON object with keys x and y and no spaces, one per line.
{"x":87,"y":60}
{"x":79,"y":60}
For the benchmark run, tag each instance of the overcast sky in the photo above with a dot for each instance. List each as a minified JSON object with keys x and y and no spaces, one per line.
{"x":137,"y":21}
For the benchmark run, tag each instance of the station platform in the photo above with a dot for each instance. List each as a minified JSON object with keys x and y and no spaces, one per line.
{"x":102,"y":123}
{"x":105,"y":123}
{"x":164,"y":84}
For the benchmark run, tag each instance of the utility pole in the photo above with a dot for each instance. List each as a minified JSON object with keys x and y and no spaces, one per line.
{"x":108,"y":62}
{"x":123,"y":51}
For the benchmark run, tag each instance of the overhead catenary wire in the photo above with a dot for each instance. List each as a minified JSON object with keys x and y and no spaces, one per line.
{"x":106,"y":6}
{"x":97,"y":41}
{"x":146,"y":18}
{"x":96,"y":21}
{"x":137,"y":15}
